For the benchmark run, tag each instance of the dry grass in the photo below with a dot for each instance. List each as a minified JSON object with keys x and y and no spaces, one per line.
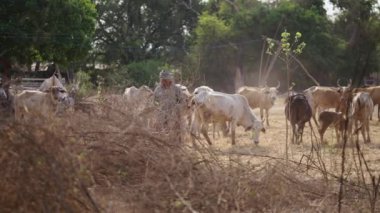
{"x":105,"y":159}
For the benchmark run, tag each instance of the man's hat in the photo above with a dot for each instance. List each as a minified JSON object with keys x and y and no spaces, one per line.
{"x":166,"y":75}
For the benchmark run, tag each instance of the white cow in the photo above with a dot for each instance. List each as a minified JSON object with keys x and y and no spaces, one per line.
{"x":213,"y":106}
{"x":33,"y":105}
{"x":138,"y":97}
{"x":68,"y":102}
{"x":361,"y":111}
{"x":260,"y":97}
{"x":222,"y":125}
{"x":202,"y":89}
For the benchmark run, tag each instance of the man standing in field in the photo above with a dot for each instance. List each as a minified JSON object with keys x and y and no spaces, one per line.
{"x":169,"y":99}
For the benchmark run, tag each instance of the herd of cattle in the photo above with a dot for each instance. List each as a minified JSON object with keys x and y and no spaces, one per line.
{"x":204,"y":106}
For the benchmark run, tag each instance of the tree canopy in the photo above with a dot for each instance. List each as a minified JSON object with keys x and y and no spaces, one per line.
{"x":54,"y":30}
{"x":212,"y":41}
{"x":133,"y":30}
{"x":241,"y":30}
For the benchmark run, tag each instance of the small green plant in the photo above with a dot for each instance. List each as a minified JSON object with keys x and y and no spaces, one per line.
{"x":285,"y":50}
{"x":287,"y":46}
{"x":85,"y":85}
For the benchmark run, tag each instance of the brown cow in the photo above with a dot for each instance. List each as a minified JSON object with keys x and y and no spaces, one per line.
{"x":321,"y":98}
{"x":298,"y":112}
{"x":34,"y":105}
{"x":337,"y":120}
{"x":260,"y":97}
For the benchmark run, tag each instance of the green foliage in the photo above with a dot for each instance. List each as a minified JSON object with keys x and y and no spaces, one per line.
{"x":214,"y":52}
{"x":287,"y":45}
{"x":235,"y":38}
{"x":136,"y":30}
{"x":144,"y":72}
{"x":55,"y":30}
{"x":359,"y":26}
{"x":211,"y":29}
{"x":288,"y":49}
{"x":85,"y":84}
{"x":118,"y":78}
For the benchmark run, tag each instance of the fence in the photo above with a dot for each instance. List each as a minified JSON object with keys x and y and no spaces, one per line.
{"x":32,"y":83}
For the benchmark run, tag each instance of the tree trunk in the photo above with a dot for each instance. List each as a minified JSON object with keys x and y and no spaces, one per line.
{"x":238,"y":79}
{"x":38,"y":65}
{"x":5,"y":70}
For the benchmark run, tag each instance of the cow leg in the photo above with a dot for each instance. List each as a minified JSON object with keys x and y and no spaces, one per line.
{"x":213,"y":130}
{"x":204,"y":131}
{"x":362,"y":130}
{"x":321,"y":135}
{"x":261,"y":113}
{"x":367,"y":131}
{"x":233,"y":128}
{"x":301,"y":132}
{"x":322,"y":131}
{"x":356,"y":130}
{"x":293,"y":132}
{"x":267,"y":116}
{"x":378,"y":112}
{"x":225,"y":129}
{"x":337,"y":134}
{"x":315,"y":120}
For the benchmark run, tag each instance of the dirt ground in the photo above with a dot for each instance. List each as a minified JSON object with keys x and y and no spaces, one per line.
{"x":273,"y":143}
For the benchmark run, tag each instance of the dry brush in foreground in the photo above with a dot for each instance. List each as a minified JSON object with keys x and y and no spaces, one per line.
{"x":111,"y":163}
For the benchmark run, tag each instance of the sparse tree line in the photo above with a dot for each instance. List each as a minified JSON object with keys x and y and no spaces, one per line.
{"x":212,"y":42}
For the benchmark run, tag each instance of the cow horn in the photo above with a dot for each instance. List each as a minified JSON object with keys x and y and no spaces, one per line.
{"x":278,"y":85}
{"x":292,"y":86}
{"x":349,"y":82}
{"x":338,"y":82}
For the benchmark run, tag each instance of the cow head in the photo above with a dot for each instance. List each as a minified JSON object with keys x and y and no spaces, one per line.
{"x":202,"y":89}
{"x":343,"y":89}
{"x":186,"y":97}
{"x":346,"y":95}
{"x":266,"y":96}
{"x":270,"y":93}
{"x":256,"y":126}
{"x":58,"y":94}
